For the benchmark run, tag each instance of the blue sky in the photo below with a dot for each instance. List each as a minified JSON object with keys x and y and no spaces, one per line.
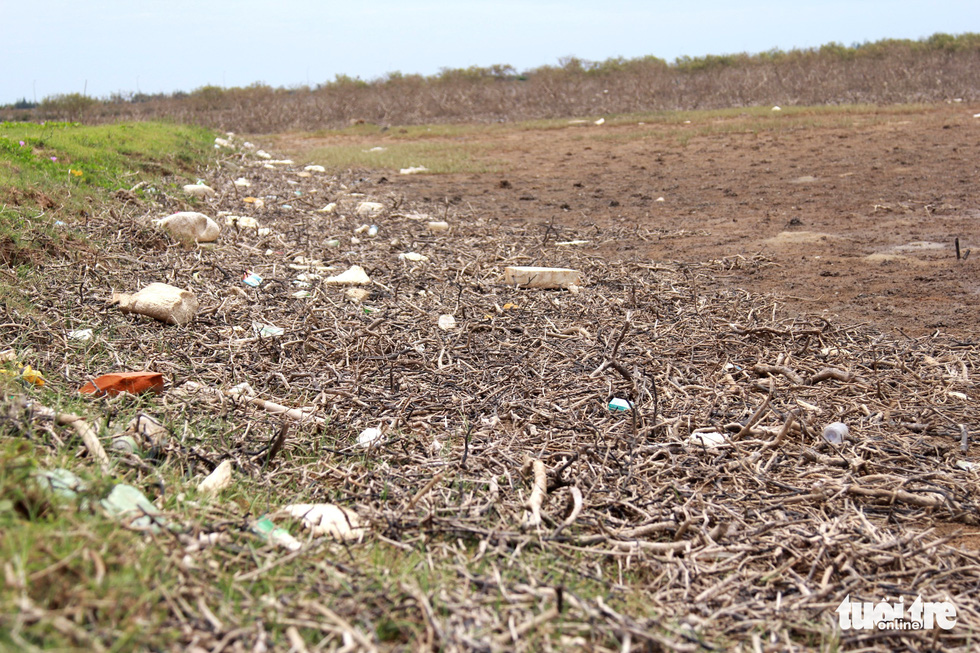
{"x":101,"y":47}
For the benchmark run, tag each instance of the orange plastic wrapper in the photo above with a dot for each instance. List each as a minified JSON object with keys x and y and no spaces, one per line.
{"x":131,"y":382}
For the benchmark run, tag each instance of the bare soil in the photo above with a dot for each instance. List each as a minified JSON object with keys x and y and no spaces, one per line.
{"x":855,"y":221}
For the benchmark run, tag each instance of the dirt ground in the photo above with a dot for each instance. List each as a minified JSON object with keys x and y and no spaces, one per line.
{"x":855,"y":220}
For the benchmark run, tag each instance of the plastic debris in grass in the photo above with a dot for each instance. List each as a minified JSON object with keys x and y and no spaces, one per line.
{"x":314,"y":168}
{"x":131,"y":382}
{"x":251,"y":279}
{"x":81,"y":335}
{"x":618,"y":404}
{"x":26,"y":373}
{"x":836,"y":432}
{"x":190,"y":226}
{"x":369,"y":209}
{"x":538,"y":277}
{"x":128,"y":503}
{"x":268,"y":531}
{"x":217,"y":480}
{"x":160,"y":301}
{"x":267,"y":330}
{"x":414,"y":257}
{"x":241,"y":221}
{"x":708,"y":439}
{"x":369,"y":437}
{"x":355,"y":275}
{"x":446,"y":322}
{"x":357,"y":295}
{"x":199,"y":190}
{"x":327,"y":519}
{"x":63,"y":483}
{"x":413,"y":170}
{"x":143,"y":435}
{"x":437,"y":226}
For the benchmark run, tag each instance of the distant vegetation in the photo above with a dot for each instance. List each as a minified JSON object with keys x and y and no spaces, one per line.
{"x":941,"y":67}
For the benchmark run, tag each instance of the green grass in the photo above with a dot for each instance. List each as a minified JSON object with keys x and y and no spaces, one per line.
{"x":51,"y":172}
{"x":437,"y":156}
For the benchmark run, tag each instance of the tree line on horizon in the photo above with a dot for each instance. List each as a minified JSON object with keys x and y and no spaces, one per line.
{"x":888,"y":71}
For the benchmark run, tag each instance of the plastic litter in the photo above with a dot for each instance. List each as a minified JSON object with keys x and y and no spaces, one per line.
{"x":620,"y":404}
{"x":131,"y":382}
{"x":267,"y":330}
{"x":447,"y":322}
{"x":217,"y":480}
{"x":369,"y":209}
{"x":835,"y":433}
{"x":414,"y":257}
{"x":537,"y":277}
{"x":143,"y":434}
{"x":268,"y":531}
{"x":61,"y":482}
{"x":190,"y":226}
{"x":251,"y":279}
{"x":357,"y":295}
{"x":708,"y":439}
{"x":126,"y":502}
{"x":241,"y":182}
{"x":160,"y":301}
{"x":315,"y":168}
{"x":413,"y":170}
{"x":241,"y":221}
{"x":355,"y":275}
{"x":199,"y":190}
{"x":327,"y":519}
{"x":82,"y":335}
{"x":437,"y":226}
{"x":25,"y":372}
{"x":967,"y":465}
{"x":368,"y":437}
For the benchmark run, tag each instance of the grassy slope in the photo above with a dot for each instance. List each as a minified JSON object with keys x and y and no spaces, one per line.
{"x":51,"y":177}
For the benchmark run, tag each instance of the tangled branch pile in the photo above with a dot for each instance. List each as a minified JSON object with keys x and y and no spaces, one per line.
{"x":711,"y":512}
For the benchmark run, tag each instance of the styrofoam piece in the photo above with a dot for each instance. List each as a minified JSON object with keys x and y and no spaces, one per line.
{"x":447,"y":322}
{"x":217,"y":480}
{"x":199,"y":190}
{"x":369,"y":209}
{"x":354,"y":276}
{"x":535,"y":277}
{"x":708,"y":439}
{"x":190,"y":225}
{"x":327,"y":519}
{"x":241,"y":221}
{"x":160,"y":301}
{"x":436,"y":226}
{"x":368,"y":437}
